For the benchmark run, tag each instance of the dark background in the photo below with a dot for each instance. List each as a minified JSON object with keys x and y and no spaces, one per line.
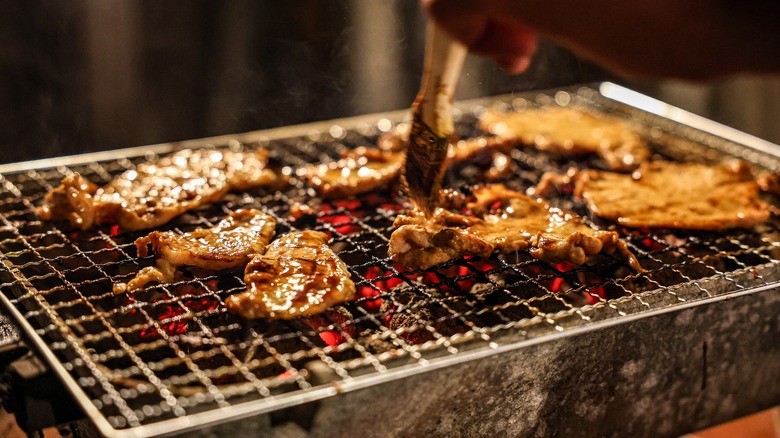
{"x":82,"y":76}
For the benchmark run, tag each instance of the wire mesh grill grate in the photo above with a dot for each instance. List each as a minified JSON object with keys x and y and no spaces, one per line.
{"x":169,"y":351}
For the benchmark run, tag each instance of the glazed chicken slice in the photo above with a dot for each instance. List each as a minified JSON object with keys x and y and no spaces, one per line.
{"x":505,"y":221}
{"x":299,"y":275}
{"x":570,"y":132}
{"x":229,"y":244}
{"x":673,"y":195}
{"x":364,"y":169}
{"x":360,"y":170}
{"x":420,"y":242}
{"x":492,"y":149}
{"x":156,"y":192}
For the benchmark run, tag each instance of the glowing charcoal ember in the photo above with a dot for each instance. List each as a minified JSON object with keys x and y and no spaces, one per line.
{"x":564,"y":266}
{"x":342,"y":223}
{"x":149,"y":333}
{"x":167,"y":311}
{"x":595,"y":295}
{"x":348,"y":204}
{"x":176,"y":327}
{"x":289,"y":374}
{"x":203,"y":304}
{"x":372,"y":303}
{"x":652,"y":245}
{"x":332,"y":338}
{"x":370,"y":292}
{"x":338,"y":317}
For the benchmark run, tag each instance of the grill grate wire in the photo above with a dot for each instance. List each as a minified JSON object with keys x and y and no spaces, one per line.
{"x":170,"y":351}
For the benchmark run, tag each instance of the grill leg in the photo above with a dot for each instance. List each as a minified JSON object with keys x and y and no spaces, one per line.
{"x":36,"y":397}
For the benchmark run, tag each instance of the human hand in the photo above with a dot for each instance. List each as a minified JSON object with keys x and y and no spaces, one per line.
{"x":479,"y":25}
{"x":692,"y":39}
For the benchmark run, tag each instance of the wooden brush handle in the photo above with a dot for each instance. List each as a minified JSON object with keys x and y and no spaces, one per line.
{"x":443,"y":62}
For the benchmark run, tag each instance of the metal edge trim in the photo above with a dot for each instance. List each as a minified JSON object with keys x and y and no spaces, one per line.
{"x":246,"y":137}
{"x":42,"y":349}
{"x":136,"y":151}
{"x":609,"y":90}
{"x":651,"y":105}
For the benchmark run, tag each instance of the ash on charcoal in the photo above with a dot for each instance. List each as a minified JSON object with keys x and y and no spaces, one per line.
{"x":412,"y":316}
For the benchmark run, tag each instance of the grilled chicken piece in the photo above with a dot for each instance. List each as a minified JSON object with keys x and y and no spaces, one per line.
{"x":490,"y":150}
{"x":163,"y":272}
{"x":554,"y":183}
{"x":470,"y":148}
{"x":489,"y":154}
{"x":570,"y":132}
{"x":299,"y":275}
{"x":72,"y":200}
{"x":366,"y":169}
{"x":769,"y":183}
{"x":360,"y":170}
{"x":156,"y":192}
{"x":506,"y":221}
{"x":673,"y":195}
{"x":395,"y":140}
{"x":420,"y":243}
{"x":229,"y":244}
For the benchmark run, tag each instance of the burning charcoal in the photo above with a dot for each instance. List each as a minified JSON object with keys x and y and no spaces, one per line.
{"x":407,"y":320}
{"x":481,"y":290}
{"x":374,"y":344}
{"x":338,"y":316}
{"x":418,"y":313}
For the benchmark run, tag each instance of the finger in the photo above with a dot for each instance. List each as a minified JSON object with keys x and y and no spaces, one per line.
{"x":463,"y":19}
{"x":514,"y":64}
{"x":511,"y":45}
{"x":502,"y":40}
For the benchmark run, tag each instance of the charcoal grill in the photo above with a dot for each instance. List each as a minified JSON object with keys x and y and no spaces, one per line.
{"x":454,"y":348}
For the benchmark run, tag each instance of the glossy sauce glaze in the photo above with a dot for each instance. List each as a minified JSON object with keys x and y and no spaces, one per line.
{"x":570,"y":132}
{"x":230,"y":243}
{"x":360,"y":170}
{"x":157,"y":191}
{"x":675,"y":195}
{"x":506,"y":221}
{"x":299,"y":275}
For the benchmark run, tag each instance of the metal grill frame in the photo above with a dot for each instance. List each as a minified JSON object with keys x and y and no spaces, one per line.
{"x":644,"y":305}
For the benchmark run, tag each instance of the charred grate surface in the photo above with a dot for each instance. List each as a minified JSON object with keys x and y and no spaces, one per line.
{"x":169,"y":351}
